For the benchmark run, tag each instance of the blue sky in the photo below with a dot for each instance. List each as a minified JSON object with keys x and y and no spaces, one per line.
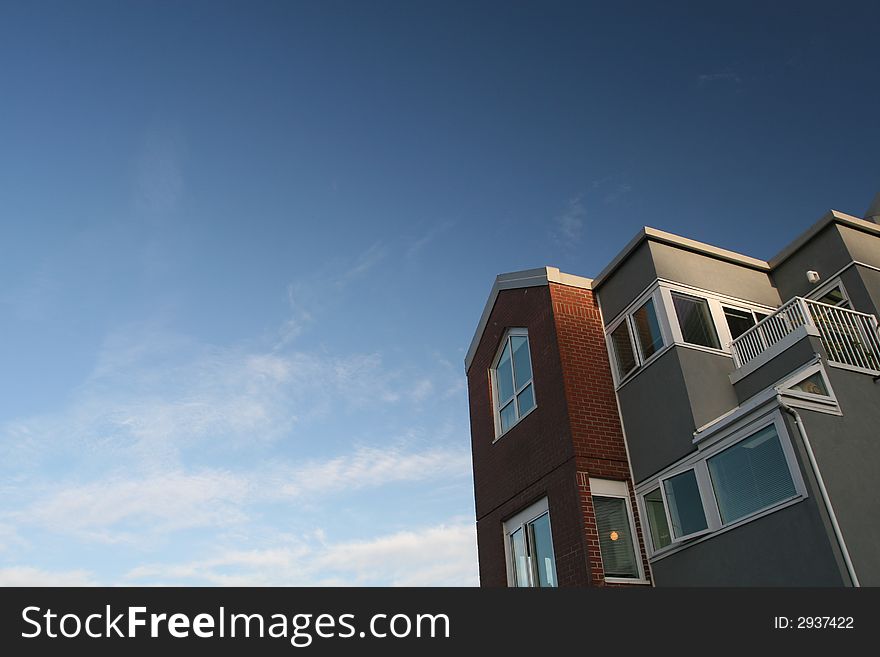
{"x":245,"y":245}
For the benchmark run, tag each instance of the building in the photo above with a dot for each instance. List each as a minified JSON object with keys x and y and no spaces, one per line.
{"x":692,"y":416}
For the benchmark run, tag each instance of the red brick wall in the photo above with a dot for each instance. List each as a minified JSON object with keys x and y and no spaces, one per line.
{"x":572,"y":435}
{"x":534,"y":458}
{"x":600,"y":451}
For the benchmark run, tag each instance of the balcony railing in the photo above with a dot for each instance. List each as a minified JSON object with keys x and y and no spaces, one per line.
{"x":851,"y":338}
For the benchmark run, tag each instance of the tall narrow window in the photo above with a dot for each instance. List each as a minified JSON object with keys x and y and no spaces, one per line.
{"x":512,"y":380}
{"x":657,"y":522}
{"x":614,"y":523}
{"x":531,"y":562}
{"x":624,"y":357}
{"x":695,"y":320}
{"x":648,"y":329}
{"x":685,"y":504}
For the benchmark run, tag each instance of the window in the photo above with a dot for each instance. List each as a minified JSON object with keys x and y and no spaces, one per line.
{"x":657,"y":522}
{"x":636,"y":338}
{"x":695,"y":320}
{"x":529,"y":546}
{"x":623,"y":350}
{"x":750,"y":472}
{"x":813,"y":385}
{"x":512,"y":381}
{"x":810,"y":388}
{"x":751,"y":475}
{"x":739,"y":321}
{"x":685,"y":504}
{"x":834,"y":296}
{"x":648,"y":329}
{"x":670,"y":313}
{"x":617,"y":542}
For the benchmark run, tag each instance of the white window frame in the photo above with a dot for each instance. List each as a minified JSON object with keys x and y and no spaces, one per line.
{"x":698,"y":462}
{"x":822,"y":403}
{"x":825,"y":288}
{"x":728,"y":336}
{"x":521,"y":521}
{"x":661,"y":293}
{"x":516,"y":391}
{"x":652,"y":295}
{"x":701,"y":475}
{"x":620,"y":489}
{"x":715,"y":314}
{"x":646,"y":525}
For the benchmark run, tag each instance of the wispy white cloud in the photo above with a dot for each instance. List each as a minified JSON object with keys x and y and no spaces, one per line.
{"x":154,"y":395}
{"x":158,"y":181}
{"x":372,"y":467}
{"x":142,"y":509}
{"x":136,"y":510}
{"x":365,"y":262}
{"x":568,"y":227}
{"x":310,"y":296}
{"x":443,"y":555}
{"x":415,"y":249}
{"x":29,"y":576}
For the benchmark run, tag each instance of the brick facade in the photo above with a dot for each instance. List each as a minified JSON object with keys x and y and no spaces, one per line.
{"x":572,"y":435}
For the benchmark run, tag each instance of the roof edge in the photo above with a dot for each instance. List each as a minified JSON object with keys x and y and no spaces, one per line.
{"x":517,"y":280}
{"x":661,"y":236}
{"x":830,"y":217}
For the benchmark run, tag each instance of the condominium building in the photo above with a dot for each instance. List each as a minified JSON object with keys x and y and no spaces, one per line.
{"x":691,"y":416}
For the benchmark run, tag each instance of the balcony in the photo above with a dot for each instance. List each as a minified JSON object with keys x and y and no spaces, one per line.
{"x":851,"y":339}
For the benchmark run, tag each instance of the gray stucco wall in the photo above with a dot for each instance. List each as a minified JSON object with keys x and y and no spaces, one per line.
{"x":657,"y":417}
{"x":862,"y":246}
{"x":825,"y":253}
{"x":626,"y":283}
{"x":708,"y":384}
{"x":793,"y":546}
{"x":847,"y":450}
{"x":710,"y":273}
{"x":787,"y":548}
{"x":788,"y":361}
{"x":870,"y":279}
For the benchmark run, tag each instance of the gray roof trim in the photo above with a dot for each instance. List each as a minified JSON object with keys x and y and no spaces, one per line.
{"x":516,"y":280}
{"x":832,"y":216}
{"x":653,"y":234}
{"x":648,"y":233}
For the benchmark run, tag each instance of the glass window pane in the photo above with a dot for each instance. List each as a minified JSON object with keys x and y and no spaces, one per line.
{"x":520,"y":560}
{"x":685,"y":504}
{"x":508,"y":416}
{"x":835,"y":297}
{"x":648,"y":329}
{"x":504,"y":376}
{"x":738,"y":321}
{"x":542,"y":549}
{"x":751,"y":475}
{"x":660,"y":537}
{"x":695,"y":321}
{"x":623,"y":352}
{"x":814,"y":384}
{"x":526,"y":400}
{"x":615,"y":537}
{"x":522,"y":367}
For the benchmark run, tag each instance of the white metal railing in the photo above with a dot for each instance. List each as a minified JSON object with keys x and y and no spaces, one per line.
{"x":851,"y":338}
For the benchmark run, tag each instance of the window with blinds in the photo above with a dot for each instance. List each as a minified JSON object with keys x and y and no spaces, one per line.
{"x":751,"y":475}
{"x":615,"y":537}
